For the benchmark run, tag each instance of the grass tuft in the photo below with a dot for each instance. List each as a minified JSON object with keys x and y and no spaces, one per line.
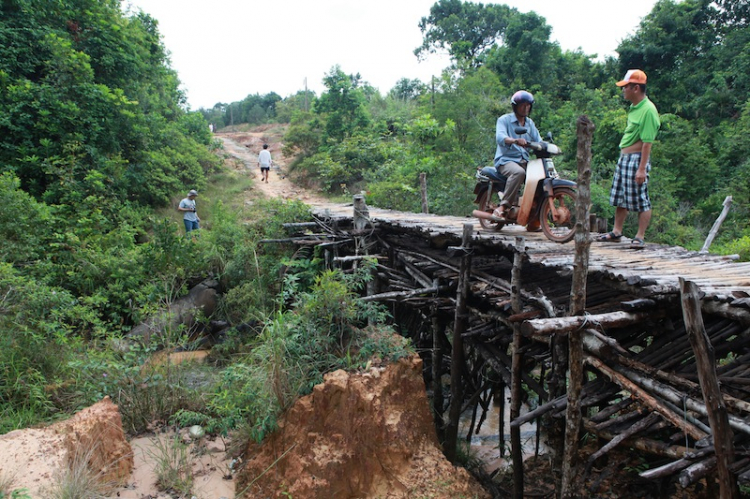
{"x":79,"y":481}
{"x":173,"y":465}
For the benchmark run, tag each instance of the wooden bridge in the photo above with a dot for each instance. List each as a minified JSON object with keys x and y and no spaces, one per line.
{"x":642,"y":388}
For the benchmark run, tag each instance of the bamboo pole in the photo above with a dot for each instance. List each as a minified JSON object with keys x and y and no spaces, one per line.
{"x":637,"y":427}
{"x":646,"y":398}
{"x":655,"y":447}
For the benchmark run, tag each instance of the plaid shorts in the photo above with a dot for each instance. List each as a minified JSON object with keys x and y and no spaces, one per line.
{"x":626,"y":193}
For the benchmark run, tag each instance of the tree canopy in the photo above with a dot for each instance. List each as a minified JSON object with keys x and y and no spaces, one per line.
{"x":467,"y":30}
{"x":90,"y":106}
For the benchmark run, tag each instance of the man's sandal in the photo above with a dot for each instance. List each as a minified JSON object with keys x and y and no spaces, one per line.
{"x":637,"y":243}
{"x":609,"y":237}
{"x":499,"y":213}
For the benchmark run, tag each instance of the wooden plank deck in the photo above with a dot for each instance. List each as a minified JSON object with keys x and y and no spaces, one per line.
{"x":654,"y":269}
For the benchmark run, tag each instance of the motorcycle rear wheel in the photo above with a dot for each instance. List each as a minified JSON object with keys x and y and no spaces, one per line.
{"x":486,"y":204}
{"x":562,"y":230}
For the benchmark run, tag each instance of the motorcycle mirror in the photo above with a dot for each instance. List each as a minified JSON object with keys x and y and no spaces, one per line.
{"x":520,"y":130}
{"x":549,"y":137}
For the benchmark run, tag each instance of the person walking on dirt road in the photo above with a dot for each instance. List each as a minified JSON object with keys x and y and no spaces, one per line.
{"x":265,"y":162}
{"x":187,"y":205}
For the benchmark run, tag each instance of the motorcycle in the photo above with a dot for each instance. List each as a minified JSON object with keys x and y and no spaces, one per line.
{"x":547,"y":200}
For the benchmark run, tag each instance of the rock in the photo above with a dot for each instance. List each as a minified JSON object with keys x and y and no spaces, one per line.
{"x":196,"y":432}
{"x":202,"y":298}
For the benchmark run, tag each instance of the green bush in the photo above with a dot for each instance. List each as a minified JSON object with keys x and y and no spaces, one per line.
{"x":35,"y":345}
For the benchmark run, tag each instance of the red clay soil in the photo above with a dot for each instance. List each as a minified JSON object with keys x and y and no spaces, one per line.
{"x":33,"y":457}
{"x":358,"y":435}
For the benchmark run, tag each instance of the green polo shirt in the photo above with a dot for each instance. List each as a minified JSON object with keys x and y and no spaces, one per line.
{"x":643,"y":124}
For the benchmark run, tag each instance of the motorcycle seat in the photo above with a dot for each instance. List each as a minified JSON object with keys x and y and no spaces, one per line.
{"x":492,"y":173}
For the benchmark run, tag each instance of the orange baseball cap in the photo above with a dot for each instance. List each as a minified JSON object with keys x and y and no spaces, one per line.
{"x":633,"y":76}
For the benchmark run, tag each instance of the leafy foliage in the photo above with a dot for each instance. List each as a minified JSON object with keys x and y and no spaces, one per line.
{"x":465,"y":29}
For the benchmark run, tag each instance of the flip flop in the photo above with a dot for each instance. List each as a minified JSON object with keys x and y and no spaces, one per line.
{"x":499,"y":214}
{"x":637,"y":243}
{"x":609,"y":237}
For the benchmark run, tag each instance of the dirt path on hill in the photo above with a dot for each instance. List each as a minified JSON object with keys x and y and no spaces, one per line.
{"x":245,"y":147}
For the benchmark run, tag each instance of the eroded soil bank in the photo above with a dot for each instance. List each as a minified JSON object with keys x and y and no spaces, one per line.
{"x":364,"y":434}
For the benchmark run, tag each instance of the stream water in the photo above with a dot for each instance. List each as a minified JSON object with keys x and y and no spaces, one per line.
{"x":485,"y":444}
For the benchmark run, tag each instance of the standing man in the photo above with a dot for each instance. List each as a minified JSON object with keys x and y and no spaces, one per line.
{"x":187,"y":205}
{"x":511,"y":155}
{"x":264,"y":161}
{"x":630,"y":183}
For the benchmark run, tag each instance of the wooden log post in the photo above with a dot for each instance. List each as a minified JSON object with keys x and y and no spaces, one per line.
{"x":500,"y":398}
{"x":423,"y":191}
{"x":717,"y":411}
{"x":577,"y":307}
{"x":457,"y":353}
{"x":717,"y":224}
{"x":437,"y":372}
{"x":361,"y":220}
{"x":516,"y":370}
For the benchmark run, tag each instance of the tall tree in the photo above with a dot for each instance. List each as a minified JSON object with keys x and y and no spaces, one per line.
{"x":524,"y":58}
{"x":696,"y":53}
{"x":342,"y":105}
{"x":467,"y":30}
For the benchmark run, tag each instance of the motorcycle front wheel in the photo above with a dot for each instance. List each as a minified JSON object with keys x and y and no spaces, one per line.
{"x":487,"y":204}
{"x":559,"y":226}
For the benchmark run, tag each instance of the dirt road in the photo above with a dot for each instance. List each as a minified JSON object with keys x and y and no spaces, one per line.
{"x":245,"y":147}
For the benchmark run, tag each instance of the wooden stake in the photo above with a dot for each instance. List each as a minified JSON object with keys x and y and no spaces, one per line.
{"x":423,"y":190}
{"x":577,"y":307}
{"x":437,"y":372}
{"x":516,"y":367}
{"x":457,"y":354}
{"x":717,"y":224}
{"x":706,"y":365}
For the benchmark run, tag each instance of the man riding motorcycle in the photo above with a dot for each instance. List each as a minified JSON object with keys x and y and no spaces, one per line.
{"x":511,"y":155}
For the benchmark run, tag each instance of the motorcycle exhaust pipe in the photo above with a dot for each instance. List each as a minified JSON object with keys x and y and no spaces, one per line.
{"x":486,"y":216}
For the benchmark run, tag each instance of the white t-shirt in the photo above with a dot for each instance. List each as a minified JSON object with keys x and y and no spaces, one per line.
{"x":189,"y":204}
{"x":264,"y":158}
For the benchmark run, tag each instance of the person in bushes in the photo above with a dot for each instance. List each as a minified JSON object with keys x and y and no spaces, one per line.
{"x":187,"y":206}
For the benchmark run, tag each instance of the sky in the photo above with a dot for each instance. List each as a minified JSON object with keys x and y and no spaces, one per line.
{"x":225,"y":50}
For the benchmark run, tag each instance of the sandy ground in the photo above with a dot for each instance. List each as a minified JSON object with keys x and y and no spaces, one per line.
{"x":34,"y":459}
{"x":212,"y":477}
